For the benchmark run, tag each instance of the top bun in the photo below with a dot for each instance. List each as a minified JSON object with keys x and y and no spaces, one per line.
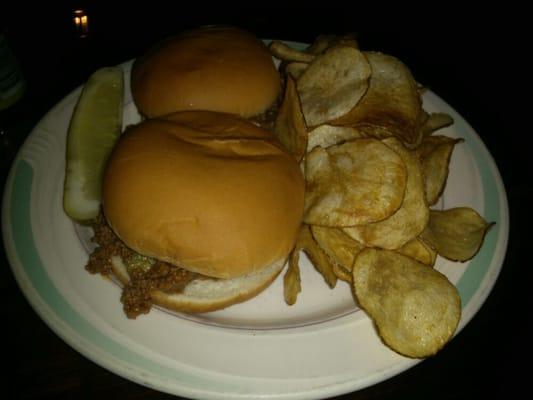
{"x":209,"y":192}
{"x":222,"y":69}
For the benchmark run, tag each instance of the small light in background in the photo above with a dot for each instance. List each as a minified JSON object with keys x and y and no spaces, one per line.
{"x":81,"y":21}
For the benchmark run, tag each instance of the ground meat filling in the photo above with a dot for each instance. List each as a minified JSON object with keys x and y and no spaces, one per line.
{"x":162,"y":276}
{"x":109,"y":245}
{"x":136,"y":298}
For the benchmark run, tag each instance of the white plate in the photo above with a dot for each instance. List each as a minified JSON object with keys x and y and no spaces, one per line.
{"x":320,"y":347}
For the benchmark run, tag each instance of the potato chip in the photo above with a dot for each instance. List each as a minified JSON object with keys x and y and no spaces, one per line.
{"x":392,"y":105}
{"x":431,"y":251}
{"x":290,"y":124}
{"x":324,"y":42}
{"x":421,"y":88}
{"x":328,"y":135}
{"x":345,"y":40}
{"x":357,"y":182}
{"x":338,"y":246}
{"x":321,"y":44}
{"x":316,"y":255}
{"x":284,"y":52}
{"x":333,"y":84}
{"x":291,"y":280}
{"x":342,"y":273}
{"x":419,"y":251}
{"x":424,"y":117}
{"x":434,"y":122}
{"x":435,"y":153}
{"x":415,"y":308}
{"x":295,"y":69}
{"x":456,"y":234}
{"x":410,"y":219}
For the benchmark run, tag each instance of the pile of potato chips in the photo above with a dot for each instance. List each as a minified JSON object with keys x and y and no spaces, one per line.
{"x":373,"y":167}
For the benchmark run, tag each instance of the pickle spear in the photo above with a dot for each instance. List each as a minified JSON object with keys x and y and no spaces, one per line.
{"x":94,"y":129}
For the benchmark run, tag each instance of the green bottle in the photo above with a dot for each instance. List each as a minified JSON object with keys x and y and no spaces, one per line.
{"x":12,"y":83}
{"x":12,"y":88}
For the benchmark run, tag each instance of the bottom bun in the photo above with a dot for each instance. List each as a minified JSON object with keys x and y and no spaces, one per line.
{"x":204,"y":295}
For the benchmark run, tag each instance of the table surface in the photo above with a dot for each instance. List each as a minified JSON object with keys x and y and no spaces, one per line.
{"x":478,"y":73}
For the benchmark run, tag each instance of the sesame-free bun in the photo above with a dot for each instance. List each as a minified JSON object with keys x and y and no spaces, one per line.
{"x":204,"y":295}
{"x":209,"y":192}
{"x":214,"y":68}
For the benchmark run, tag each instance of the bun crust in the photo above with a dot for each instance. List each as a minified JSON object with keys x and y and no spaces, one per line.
{"x":206,"y":191}
{"x":220,"y":69}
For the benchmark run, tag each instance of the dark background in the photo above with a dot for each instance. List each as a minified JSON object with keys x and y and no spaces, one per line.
{"x":482,"y":70}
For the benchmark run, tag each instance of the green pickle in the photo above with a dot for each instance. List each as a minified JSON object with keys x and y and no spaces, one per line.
{"x":95,"y":127}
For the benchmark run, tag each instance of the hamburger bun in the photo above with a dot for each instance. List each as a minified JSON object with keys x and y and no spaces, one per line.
{"x":222,"y":69}
{"x":204,"y":295}
{"x":209,"y":192}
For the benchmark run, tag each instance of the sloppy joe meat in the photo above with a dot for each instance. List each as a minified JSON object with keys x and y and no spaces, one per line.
{"x":136,"y":298}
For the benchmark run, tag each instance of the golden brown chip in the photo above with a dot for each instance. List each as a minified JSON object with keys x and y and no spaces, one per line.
{"x":324,"y":42}
{"x":291,"y":280}
{"x":392,"y":105}
{"x":286,"y":53}
{"x":321,"y":44}
{"x":432,"y":252}
{"x":295,"y":69}
{"x":333,"y":84}
{"x":342,"y":273}
{"x":316,"y":255}
{"x":410,"y":219}
{"x":339,"y":247}
{"x":421,"y":88}
{"x":434,"y":122}
{"x":415,"y":308}
{"x":424,"y":116}
{"x":457,"y":233}
{"x":419,"y":251}
{"x":435,"y":153}
{"x":290,"y":124}
{"x":328,"y":135}
{"x":357,"y":182}
{"x":345,"y":40}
